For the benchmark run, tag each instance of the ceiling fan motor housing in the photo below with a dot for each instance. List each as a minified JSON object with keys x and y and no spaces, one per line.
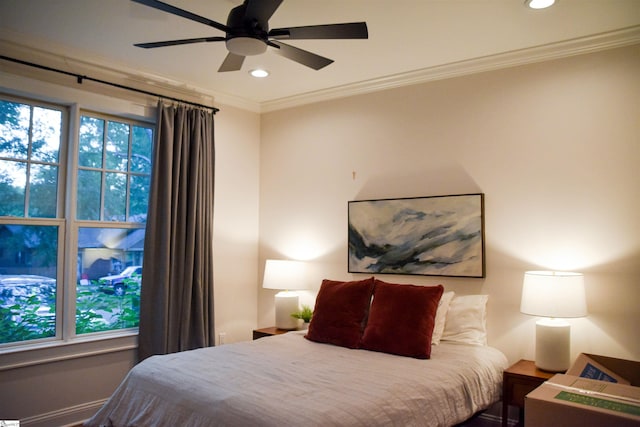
{"x":248,"y":36}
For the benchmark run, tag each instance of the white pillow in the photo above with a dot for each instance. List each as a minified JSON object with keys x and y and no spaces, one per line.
{"x":467,"y":320}
{"x":441,"y":316}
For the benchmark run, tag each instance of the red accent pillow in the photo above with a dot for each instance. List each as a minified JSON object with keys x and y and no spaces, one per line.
{"x":401,"y":319}
{"x":340,"y":312}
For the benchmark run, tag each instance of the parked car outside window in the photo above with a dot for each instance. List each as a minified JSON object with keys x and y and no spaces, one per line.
{"x":118,"y":284}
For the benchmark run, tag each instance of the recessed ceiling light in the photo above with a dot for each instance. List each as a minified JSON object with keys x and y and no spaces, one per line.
{"x":258,"y":72}
{"x":539,"y":4}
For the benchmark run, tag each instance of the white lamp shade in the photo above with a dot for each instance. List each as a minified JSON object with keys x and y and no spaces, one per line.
{"x":284,"y":274}
{"x":553,"y":294}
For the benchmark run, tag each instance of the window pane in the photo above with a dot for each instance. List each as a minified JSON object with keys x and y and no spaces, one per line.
{"x":91,"y":138}
{"x":115,"y":197}
{"x":17,"y":122}
{"x":141,"y":149}
{"x":13,"y":178}
{"x":14,"y":129}
{"x":139,"y":200}
{"x":128,"y":151}
{"x":89,"y":184}
{"x":28,"y":264}
{"x":46,"y":134}
{"x":118,"y":146}
{"x":43,"y":187}
{"x":110,"y":273}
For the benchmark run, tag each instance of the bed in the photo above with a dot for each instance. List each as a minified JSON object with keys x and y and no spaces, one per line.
{"x":290,"y":379}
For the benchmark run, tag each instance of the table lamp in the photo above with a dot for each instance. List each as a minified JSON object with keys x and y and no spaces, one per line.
{"x":554,"y":296}
{"x":287,"y":276}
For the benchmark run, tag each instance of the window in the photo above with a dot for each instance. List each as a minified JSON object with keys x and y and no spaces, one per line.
{"x":73,"y":204}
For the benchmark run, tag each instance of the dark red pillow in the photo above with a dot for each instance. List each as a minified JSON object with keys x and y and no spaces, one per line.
{"x":340,"y":312}
{"x":401,"y":319}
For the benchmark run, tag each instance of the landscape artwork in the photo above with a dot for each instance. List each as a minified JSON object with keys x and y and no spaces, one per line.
{"x":432,"y":236}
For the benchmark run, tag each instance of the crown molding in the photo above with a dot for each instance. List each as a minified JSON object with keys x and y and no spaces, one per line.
{"x":44,"y":52}
{"x":97,"y":68}
{"x":609,"y":40}
{"x":140,"y":79}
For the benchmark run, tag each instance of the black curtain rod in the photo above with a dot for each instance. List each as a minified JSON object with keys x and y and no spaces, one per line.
{"x":80,"y":78}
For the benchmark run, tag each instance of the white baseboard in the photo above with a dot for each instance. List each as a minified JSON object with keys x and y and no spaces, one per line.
{"x":70,"y":416}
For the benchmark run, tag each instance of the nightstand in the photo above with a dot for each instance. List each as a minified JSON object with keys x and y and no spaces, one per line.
{"x":517,"y":381}
{"x":267,"y":332}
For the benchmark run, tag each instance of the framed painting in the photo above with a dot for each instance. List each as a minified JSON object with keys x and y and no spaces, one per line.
{"x":430,"y":236}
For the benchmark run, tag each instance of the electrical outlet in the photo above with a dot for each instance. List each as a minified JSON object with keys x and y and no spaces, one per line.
{"x":221,"y":337}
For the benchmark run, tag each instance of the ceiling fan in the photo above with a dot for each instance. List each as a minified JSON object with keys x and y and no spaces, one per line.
{"x":247,"y":33}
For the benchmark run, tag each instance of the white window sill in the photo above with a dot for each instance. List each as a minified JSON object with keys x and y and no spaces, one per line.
{"x":55,"y":351}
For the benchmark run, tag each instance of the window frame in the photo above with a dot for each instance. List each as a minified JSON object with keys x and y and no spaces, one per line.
{"x":67,"y":343}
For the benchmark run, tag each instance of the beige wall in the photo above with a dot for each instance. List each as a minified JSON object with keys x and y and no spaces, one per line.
{"x":554,"y":146}
{"x":235,"y":243}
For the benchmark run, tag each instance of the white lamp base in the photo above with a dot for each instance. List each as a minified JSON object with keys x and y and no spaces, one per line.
{"x":553,"y":344}
{"x":286,"y":305}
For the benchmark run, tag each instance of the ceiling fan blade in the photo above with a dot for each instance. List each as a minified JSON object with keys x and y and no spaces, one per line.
{"x":178,"y":42}
{"x":301,"y":56}
{"x":262,"y":10}
{"x":351,"y":30}
{"x":232,"y":62}
{"x":156,"y":4}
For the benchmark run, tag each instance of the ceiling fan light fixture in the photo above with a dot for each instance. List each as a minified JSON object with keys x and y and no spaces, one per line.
{"x":539,"y":4}
{"x":259,"y":73}
{"x":246,"y":46}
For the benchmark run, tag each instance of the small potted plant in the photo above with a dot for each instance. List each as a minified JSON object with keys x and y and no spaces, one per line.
{"x":305,"y":314}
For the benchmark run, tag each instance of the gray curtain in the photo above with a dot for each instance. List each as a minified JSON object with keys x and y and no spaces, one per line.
{"x":176,"y":299}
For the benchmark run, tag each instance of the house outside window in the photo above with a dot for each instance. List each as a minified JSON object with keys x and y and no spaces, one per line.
{"x":73,"y":209}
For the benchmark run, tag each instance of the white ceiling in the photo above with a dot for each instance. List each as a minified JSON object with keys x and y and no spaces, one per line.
{"x":409,"y":41}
